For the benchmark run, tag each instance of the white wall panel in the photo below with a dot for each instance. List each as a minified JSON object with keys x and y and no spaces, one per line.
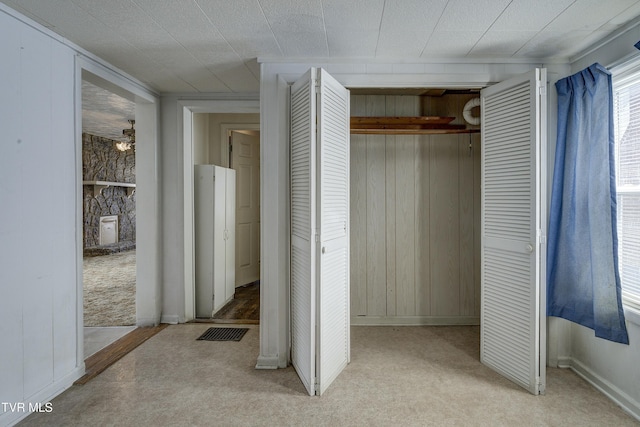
{"x":11,"y":368}
{"x":376,"y":212}
{"x":358,"y":215}
{"x":36,"y":241}
{"x":420,"y":209}
{"x":65,"y":298}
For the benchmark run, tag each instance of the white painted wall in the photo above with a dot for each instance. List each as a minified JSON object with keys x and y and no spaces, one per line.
{"x":38,"y":175}
{"x":201,"y":139}
{"x":613,"y":368}
{"x":41,"y":172}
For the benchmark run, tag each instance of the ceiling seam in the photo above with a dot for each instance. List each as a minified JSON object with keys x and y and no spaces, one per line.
{"x":542,"y":29}
{"x":384,"y":5}
{"x":487,"y":30}
{"x":324,"y":27}
{"x":426,"y":43}
{"x":270,"y":28}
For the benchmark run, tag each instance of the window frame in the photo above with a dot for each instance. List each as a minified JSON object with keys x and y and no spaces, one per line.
{"x":623,"y":75}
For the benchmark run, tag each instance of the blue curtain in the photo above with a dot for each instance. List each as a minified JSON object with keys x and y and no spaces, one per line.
{"x":582,"y":266}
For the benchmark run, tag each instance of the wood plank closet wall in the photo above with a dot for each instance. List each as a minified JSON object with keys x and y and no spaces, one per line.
{"x":415,"y":218}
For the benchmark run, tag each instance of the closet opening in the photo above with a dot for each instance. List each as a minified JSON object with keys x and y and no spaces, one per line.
{"x":415,"y":207}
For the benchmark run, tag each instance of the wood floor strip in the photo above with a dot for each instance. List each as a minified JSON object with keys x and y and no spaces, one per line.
{"x":229,"y":321}
{"x":106,"y":357}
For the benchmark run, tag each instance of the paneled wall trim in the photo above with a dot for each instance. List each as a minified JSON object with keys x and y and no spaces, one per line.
{"x":415,"y":218}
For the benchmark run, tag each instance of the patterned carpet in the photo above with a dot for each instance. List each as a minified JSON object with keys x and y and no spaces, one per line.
{"x":109,"y":283}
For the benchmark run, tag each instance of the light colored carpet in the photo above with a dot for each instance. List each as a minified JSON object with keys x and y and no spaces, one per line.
{"x":109,"y":284}
{"x":407,"y":376}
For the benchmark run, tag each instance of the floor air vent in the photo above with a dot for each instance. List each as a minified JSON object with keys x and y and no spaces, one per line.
{"x":223,"y":334}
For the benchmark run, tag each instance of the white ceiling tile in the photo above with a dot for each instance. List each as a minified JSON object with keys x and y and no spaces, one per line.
{"x":105,"y":113}
{"x":405,"y":44}
{"x":236,"y":76}
{"x":358,"y":15}
{"x":211,"y":45}
{"x":527,"y":15}
{"x":353,"y":43}
{"x":189,"y":26}
{"x":406,"y":26}
{"x":554,"y":44}
{"x":298,"y":26}
{"x":585,"y":15}
{"x":501,"y":43}
{"x":451,"y":43}
{"x":470,"y":15}
{"x":243,"y":25}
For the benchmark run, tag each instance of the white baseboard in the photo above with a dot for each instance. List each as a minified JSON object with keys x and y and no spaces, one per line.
{"x":42,"y":397}
{"x":172,"y":320}
{"x":414,"y":320}
{"x":268,"y":362}
{"x":626,"y":402}
{"x":145,"y":322}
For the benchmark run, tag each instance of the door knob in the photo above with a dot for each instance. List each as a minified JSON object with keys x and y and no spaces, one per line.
{"x":529,"y":248}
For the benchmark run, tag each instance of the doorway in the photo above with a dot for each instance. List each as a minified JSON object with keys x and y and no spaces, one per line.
{"x":244,"y":158}
{"x":208,"y":126}
{"x":128,"y":183}
{"x":109,"y":217}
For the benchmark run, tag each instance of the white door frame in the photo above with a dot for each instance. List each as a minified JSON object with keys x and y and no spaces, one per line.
{"x":225,"y":128}
{"x":185,"y":117}
{"x":147,"y":191}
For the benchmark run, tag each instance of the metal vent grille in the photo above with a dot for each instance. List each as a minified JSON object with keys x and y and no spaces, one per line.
{"x":223,"y":334}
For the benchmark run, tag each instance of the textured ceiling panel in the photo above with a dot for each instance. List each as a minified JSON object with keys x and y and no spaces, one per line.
{"x":298,"y":26}
{"x":470,"y":15}
{"x":212,"y":45}
{"x":104,"y":113}
{"x":501,"y":43}
{"x":406,"y":27}
{"x":359,"y":15}
{"x":586,"y":15}
{"x":451,"y":43}
{"x":527,"y":15}
{"x":352,"y":43}
{"x":243,"y":24}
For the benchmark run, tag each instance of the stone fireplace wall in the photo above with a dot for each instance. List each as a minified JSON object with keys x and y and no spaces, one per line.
{"x":101,"y":161}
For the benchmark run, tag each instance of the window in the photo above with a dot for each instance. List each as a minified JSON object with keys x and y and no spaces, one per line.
{"x":626,"y":106}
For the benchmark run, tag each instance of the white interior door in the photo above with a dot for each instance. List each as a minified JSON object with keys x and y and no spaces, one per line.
{"x":245,"y":160}
{"x":514,"y":229}
{"x":219,"y":238}
{"x":230,"y":234}
{"x":319,"y":229}
{"x":333,"y":350}
{"x":303,"y":230}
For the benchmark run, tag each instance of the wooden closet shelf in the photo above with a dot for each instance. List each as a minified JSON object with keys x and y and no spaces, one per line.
{"x":420,"y":125}
{"x":412,"y":120}
{"x":411,"y":131}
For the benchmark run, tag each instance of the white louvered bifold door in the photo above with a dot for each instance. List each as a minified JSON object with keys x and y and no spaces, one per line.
{"x":513,"y":227}
{"x":333,"y":213}
{"x":303,"y":226}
